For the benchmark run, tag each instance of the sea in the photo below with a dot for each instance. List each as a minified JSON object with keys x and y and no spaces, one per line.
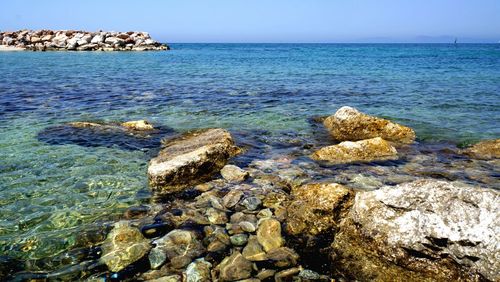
{"x":57,"y":189}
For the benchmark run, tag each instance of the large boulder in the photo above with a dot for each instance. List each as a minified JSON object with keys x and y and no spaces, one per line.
{"x":317,"y":207}
{"x":426,"y":230}
{"x":375,"y":149}
{"x":348,"y":124}
{"x":191,"y":159}
{"x":489,"y":149}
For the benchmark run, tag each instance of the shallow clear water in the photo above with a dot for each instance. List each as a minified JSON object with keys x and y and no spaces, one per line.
{"x":51,"y":191}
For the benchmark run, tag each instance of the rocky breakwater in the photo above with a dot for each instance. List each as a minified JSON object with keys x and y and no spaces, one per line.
{"x":190,"y":159}
{"x":75,"y":40}
{"x":426,"y":230}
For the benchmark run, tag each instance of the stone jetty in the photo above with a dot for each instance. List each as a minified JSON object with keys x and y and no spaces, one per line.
{"x":77,"y":40}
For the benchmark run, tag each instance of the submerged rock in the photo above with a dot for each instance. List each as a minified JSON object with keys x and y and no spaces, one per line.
{"x":422,"y":230}
{"x":138,"y":125}
{"x":375,"y":149}
{"x":123,"y":246}
{"x":190,"y":159}
{"x":179,"y":246}
{"x":269,"y":234}
{"x":489,"y":149}
{"x":233,"y":173}
{"x":235,"y":267}
{"x":198,"y":271}
{"x":348,"y":124}
{"x":316,"y":208}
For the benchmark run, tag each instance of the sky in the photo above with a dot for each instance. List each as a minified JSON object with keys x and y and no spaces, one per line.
{"x":273,"y":21}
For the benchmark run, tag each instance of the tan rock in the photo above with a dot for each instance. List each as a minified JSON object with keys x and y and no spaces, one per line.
{"x":138,"y":125}
{"x":235,"y":267}
{"x":489,"y":149}
{"x":317,"y":208}
{"x":233,"y":173}
{"x":190,"y":159}
{"x":375,"y":149}
{"x":348,"y":124}
{"x":269,"y":234}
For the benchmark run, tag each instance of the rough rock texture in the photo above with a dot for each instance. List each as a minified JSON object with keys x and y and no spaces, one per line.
{"x":426,"y":230}
{"x":138,"y":125}
{"x":179,"y":246}
{"x":55,"y":40}
{"x":316,"y":208}
{"x":489,"y":149}
{"x":235,"y":267}
{"x":190,"y":159}
{"x":233,"y":173}
{"x":198,"y":271}
{"x":269,"y":234}
{"x":375,"y":149}
{"x":348,"y":124}
{"x":124,"y":245}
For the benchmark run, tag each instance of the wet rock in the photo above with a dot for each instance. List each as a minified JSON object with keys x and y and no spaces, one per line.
{"x":283,"y":257}
{"x":239,"y":239}
{"x":123,"y":246}
{"x":251,"y":203}
{"x":422,"y":230}
{"x":317,"y":208}
{"x":375,"y":149}
{"x":265,"y":213}
{"x":138,"y":125}
{"x":233,"y":173}
{"x":190,"y":159}
{"x":247,"y":226}
{"x":265,"y":274}
{"x":215,"y":216}
{"x":269,"y":234}
{"x":253,"y":250}
{"x":232,"y":198}
{"x":489,"y":149}
{"x":136,"y":212}
{"x":169,"y":278}
{"x":217,"y":239}
{"x":198,"y":271}
{"x":179,"y":246}
{"x":235,"y":267}
{"x":286,"y":274}
{"x":348,"y":124}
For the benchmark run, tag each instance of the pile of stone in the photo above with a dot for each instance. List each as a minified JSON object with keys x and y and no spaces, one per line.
{"x":74,"y":40}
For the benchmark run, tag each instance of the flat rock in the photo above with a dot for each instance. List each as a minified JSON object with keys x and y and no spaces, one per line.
{"x":489,"y":149}
{"x":426,"y":230}
{"x":235,"y":267}
{"x":316,"y":208}
{"x":190,"y":159}
{"x":123,"y":246}
{"x":375,"y":149}
{"x":233,"y":173}
{"x":348,"y":124}
{"x":269,"y":234}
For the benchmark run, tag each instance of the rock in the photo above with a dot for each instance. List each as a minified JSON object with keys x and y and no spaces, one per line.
{"x":169,"y":278}
{"x":251,"y":203}
{"x":216,"y":238}
{"x":124,"y":245}
{"x":426,"y":230}
{"x":247,"y":226}
{"x":317,"y":208}
{"x":369,"y":150}
{"x":198,"y":271}
{"x":239,"y":239}
{"x":233,"y":173}
{"x":489,"y":149}
{"x":253,"y":250}
{"x":97,"y":39}
{"x":190,"y":159}
{"x":234,"y":267}
{"x":283,"y":257}
{"x":348,"y":124}
{"x":232,"y":198}
{"x":285,"y":275}
{"x":269,"y":234}
{"x":180,"y":247}
{"x":215,"y":216}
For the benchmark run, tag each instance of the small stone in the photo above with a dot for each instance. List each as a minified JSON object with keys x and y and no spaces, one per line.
{"x":265,"y":273}
{"x":123,"y":246}
{"x":216,"y":216}
{"x":198,"y":271}
{"x":235,"y":267}
{"x":284,"y":274}
{"x":239,"y":239}
{"x":251,"y":203}
{"x":232,"y":198}
{"x":169,"y":278}
{"x":265,"y":213}
{"x":309,"y":275}
{"x":247,"y":226}
{"x":180,"y":247}
{"x":269,"y":234}
{"x":157,"y":257}
{"x":283,"y":257}
{"x":253,"y":250}
{"x":233,"y":173}
{"x":138,"y":125}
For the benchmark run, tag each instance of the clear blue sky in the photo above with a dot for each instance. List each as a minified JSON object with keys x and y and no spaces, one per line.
{"x":267,"y":20}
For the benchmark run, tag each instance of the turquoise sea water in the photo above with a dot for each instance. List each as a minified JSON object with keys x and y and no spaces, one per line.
{"x":51,"y":191}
